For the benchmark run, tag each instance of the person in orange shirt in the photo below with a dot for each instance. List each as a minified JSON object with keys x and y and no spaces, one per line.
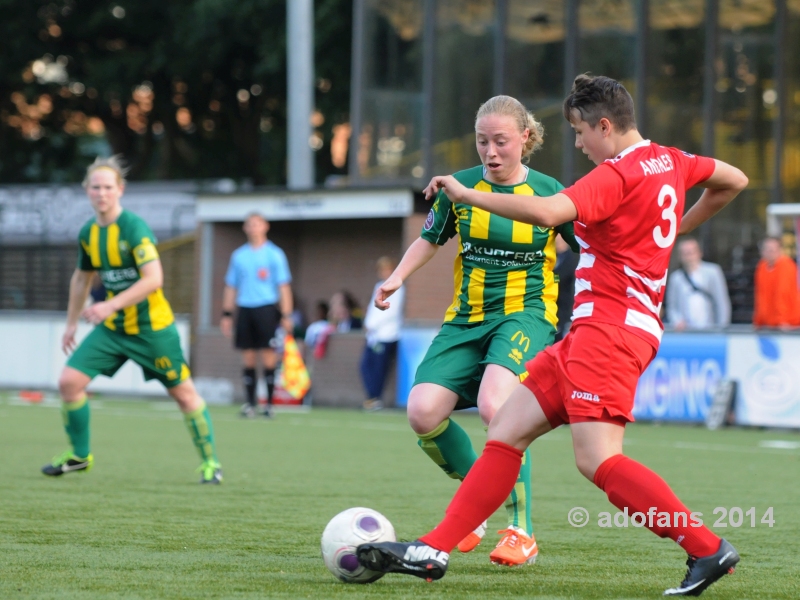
{"x":777,"y":298}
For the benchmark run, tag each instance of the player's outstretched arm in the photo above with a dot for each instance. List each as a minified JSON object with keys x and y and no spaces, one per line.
{"x":418,"y":253}
{"x":723,"y":186}
{"x":151,"y":278}
{"x":545,"y":211}
{"x":79,"y":286}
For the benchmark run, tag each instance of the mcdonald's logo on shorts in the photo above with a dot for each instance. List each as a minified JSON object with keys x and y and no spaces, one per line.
{"x":162,"y":363}
{"x":524,"y":340}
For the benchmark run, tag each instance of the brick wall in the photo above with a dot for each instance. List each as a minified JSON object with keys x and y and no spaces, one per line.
{"x":430,"y":290}
{"x":335,"y":378}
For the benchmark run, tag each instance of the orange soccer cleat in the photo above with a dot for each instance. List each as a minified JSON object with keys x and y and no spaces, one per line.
{"x":469,"y":543}
{"x":516,"y":548}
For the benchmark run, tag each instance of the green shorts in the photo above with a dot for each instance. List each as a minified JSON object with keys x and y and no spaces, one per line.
{"x":459,"y":353}
{"x":159,"y":354}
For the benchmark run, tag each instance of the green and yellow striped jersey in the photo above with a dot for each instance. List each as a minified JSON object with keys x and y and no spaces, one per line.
{"x":502,"y":266}
{"x":116,"y":252}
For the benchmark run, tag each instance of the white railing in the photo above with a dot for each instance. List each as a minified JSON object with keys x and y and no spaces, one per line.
{"x":31,"y":356}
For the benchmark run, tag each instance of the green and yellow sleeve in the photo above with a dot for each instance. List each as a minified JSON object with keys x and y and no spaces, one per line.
{"x":440,"y":225}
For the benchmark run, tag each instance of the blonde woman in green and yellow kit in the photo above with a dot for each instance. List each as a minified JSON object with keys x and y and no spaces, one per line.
{"x":503,"y":311}
{"x":134,"y":322}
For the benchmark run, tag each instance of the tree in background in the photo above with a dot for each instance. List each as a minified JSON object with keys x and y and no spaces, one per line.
{"x":184,"y":89}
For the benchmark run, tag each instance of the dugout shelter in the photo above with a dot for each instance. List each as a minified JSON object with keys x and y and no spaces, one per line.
{"x":332,"y":238}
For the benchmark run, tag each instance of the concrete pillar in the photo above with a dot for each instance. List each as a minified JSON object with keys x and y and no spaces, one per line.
{"x":300,"y":100}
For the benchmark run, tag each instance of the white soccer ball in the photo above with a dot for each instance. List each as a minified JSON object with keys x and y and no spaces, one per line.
{"x":347,"y":530}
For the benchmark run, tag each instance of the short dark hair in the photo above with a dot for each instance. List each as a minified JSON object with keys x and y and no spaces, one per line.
{"x":322,"y":309}
{"x":255,"y":213}
{"x":598,"y":97}
{"x":770,"y":238}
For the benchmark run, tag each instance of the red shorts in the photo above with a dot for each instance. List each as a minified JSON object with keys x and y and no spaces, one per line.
{"x":590,"y":375}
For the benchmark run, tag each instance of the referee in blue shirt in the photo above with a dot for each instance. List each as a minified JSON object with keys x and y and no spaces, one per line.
{"x":257,"y":289}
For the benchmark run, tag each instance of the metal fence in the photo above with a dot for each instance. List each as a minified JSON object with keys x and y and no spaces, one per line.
{"x":34,"y":277}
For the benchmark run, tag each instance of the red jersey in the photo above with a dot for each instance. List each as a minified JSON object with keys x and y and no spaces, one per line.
{"x":629,"y":210}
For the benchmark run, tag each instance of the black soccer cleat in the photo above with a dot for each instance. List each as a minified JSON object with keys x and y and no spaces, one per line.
{"x":68,"y":463}
{"x":411,"y":558}
{"x":702,"y":572}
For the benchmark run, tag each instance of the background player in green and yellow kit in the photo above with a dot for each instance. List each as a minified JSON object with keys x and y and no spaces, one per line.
{"x":503,"y":310}
{"x":134,"y":322}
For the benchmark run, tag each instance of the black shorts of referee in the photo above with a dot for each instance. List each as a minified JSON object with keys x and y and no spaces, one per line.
{"x":256,"y":326}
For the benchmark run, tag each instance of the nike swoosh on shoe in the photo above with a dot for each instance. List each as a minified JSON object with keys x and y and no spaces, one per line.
{"x":67,"y":468}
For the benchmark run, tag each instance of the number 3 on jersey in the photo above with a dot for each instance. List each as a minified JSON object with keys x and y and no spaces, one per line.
{"x":668,"y":214}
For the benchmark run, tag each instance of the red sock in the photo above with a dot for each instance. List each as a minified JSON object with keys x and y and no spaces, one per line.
{"x":483,"y":491}
{"x":632,"y":486}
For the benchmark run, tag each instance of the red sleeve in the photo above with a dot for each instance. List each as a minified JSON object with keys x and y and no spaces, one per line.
{"x":696,"y":169}
{"x":597,"y":195}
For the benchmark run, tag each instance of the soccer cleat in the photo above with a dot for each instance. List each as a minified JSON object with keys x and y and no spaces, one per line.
{"x":469,"y":543}
{"x":410,"y":558}
{"x":702,"y":572}
{"x":515,"y":548}
{"x":247,"y":411}
{"x":67,"y":463}
{"x":211,"y":472}
{"x":268,"y":413}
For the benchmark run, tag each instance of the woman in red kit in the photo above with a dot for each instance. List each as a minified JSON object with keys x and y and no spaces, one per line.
{"x":628,"y":212}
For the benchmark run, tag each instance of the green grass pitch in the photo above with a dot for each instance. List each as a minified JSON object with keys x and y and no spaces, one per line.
{"x":139,"y":525}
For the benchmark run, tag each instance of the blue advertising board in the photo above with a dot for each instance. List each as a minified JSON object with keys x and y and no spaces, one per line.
{"x":411,"y":350}
{"x":679,"y":384}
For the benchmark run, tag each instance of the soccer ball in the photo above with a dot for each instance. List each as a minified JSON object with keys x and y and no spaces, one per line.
{"x":347,"y":530}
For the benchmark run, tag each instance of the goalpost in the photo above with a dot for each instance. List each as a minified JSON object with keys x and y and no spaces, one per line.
{"x":775,"y":215}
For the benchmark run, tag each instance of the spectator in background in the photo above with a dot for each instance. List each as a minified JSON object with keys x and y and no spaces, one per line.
{"x":345,"y":313}
{"x":257,"y":287}
{"x":383,"y":330}
{"x":318,"y":326}
{"x":777,"y":299}
{"x":697,"y":295}
{"x":566,"y":263}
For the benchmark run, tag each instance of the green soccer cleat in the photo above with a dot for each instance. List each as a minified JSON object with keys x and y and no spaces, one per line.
{"x":67,"y":463}
{"x":211,"y":472}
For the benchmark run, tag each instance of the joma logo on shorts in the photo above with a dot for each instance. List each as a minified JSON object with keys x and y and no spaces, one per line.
{"x":162,"y":363}
{"x":576,"y":395}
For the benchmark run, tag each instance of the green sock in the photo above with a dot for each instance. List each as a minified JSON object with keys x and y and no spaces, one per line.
{"x":449,"y":447}
{"x":202,"y":431}
{"x":518,"y":505}
{"x":76,"y":424}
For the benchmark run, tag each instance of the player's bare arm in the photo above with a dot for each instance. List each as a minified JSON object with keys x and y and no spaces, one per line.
{"x":79,"y":286}
{"x":287,"y":306}
{"x":721,"y":188}
{"x":152,"y":278}
{"x":418,"y":253}
{"x":547,"y":211}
